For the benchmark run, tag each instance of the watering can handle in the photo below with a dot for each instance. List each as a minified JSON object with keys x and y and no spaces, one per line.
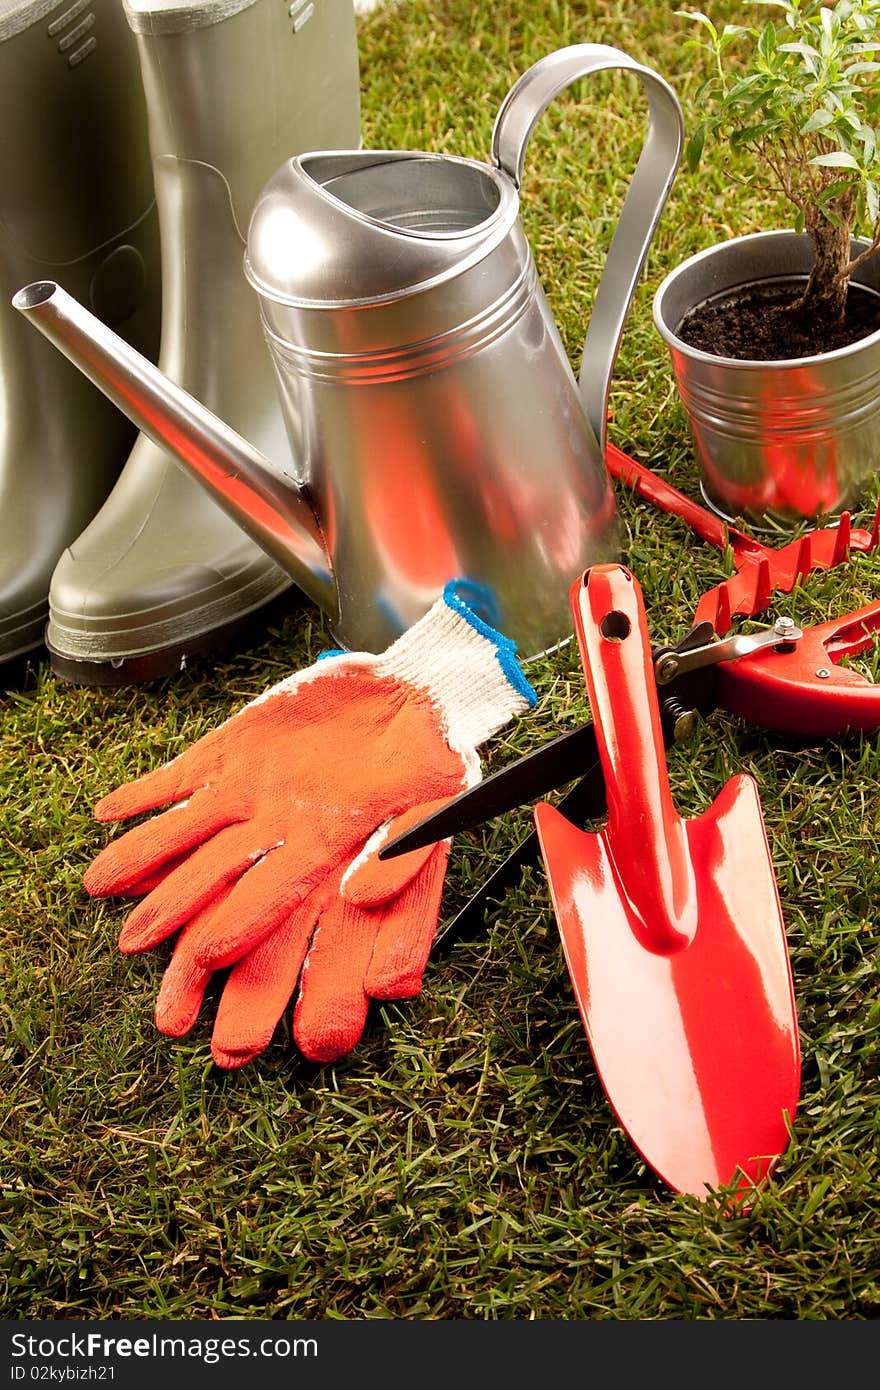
{"x":658,"y":164}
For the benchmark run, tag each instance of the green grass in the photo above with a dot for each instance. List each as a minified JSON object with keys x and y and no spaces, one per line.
{"x":463,"y":1161}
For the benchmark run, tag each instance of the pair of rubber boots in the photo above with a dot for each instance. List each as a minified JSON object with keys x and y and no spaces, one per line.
{"x":137,"y":135}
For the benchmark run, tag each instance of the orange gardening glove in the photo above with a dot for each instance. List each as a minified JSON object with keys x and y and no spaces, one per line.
{"x":266,"y":856}
{"x":370,"y":941}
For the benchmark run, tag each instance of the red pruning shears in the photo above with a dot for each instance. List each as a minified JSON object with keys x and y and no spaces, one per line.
{"x":801,"y":689}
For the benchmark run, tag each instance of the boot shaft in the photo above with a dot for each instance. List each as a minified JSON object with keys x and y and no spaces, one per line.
{"x":233,"y":89}
{"x":241,"y":85}
{"x":77,"y":204}
{"x":74,"y":159}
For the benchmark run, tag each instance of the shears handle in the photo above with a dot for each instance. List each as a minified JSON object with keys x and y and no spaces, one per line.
{"x":703,"y":523}
{"x":804,"y":690}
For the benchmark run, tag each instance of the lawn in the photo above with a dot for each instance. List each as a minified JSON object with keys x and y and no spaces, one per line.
{"x":463,"y":1161}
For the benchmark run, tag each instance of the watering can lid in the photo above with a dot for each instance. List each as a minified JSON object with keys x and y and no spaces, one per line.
{"x":344,"y":228}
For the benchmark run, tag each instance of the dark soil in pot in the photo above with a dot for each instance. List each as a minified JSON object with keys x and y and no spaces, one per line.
{"x":755,"y":323}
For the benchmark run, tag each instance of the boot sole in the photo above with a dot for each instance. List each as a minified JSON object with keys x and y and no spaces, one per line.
{"x":143,"y":667}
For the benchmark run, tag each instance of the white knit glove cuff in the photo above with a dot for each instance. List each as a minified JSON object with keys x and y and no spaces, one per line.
{"x":468,"y":668}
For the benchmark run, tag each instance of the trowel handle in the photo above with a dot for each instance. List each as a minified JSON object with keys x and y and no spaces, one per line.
{"x":643,"y":824}
{"x":649,"y":188}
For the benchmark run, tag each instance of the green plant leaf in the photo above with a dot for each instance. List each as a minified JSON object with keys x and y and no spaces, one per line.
{"x":850,"y":120}
{"x":694,"y":148}
{"x":700,"y":18}
{"x":778,"y":4}
{"x":752,"y":134}
{"x":837,"y":159}
{"x":750,"y":84}
{"x":805,"y":49}
{"x":818,"y":121}
{"x":767,"y":42}
{"x":729,"y":35}
{"x":868,"y":138}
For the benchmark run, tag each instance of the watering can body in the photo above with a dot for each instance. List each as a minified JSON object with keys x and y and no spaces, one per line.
{"x":437,"y":427}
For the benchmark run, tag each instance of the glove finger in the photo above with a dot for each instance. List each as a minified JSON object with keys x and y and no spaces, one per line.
{"x":184,"y":982}
{"x":260,"y":901}
{"x":222,"y":860}
{"x":142,"y":886}
{"x":370,"y":880}
{"x":141,"y":851}
{"x":406,"y":933}
{"x":171,"y":782}
{"x":363,"y":952}
{"x":331,"y":1011}
{"x":259,"y":988}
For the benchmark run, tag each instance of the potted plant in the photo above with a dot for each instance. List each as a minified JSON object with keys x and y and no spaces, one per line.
{"x":775,"y":336}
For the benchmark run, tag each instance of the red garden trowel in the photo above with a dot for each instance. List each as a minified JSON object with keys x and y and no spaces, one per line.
{"x":672,"y":930}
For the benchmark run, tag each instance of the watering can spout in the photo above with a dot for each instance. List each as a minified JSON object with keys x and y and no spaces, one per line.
{"x":269,"y":507}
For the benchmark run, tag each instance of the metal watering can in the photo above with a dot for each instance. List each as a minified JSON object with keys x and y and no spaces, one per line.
{"x":436,"y":424}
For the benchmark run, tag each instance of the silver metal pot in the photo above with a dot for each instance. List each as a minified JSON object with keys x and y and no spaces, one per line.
{"x":782,"y":441}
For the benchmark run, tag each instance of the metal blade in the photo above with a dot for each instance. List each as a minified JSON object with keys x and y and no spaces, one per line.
{"x":585,"y":802}
{"x":539,"y":772}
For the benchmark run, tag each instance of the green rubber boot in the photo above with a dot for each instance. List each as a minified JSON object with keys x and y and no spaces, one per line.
{"x":233,"y":89}
{"x":76,"y":206}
